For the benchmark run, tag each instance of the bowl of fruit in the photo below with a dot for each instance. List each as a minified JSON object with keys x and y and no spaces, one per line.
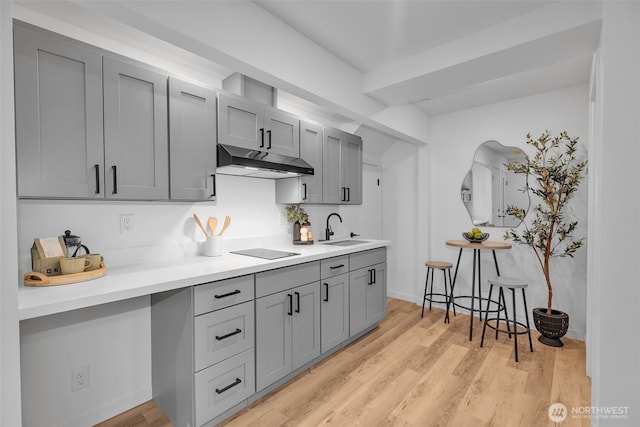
{"x":475,"y":236}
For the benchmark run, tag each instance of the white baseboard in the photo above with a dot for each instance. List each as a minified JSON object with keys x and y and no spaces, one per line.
{"x":110,"y":410}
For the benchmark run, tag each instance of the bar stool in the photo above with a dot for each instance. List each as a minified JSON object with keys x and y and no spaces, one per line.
{"x":512,"y":284}
{"x":428,"y":293}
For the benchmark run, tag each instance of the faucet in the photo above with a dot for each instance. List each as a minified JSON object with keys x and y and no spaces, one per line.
{"x":328,"y":232}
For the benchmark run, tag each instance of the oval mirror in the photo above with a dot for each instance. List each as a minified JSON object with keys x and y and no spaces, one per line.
{"x":488,"y":188}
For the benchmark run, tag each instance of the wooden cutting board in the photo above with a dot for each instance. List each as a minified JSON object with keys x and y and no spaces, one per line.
{"x":39,"y":279}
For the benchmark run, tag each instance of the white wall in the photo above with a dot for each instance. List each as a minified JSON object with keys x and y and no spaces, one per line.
{"x":613,"y":342}
{"x":114,"y":339}
{"x":454,"y":139}
{"x":9,"y":354}
{"x":399,"y":218}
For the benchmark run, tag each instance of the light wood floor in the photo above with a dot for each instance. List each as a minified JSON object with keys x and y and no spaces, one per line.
{"x":415,"y":372}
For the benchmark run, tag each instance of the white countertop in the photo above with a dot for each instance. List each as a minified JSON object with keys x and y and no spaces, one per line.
{"x":137,"y":280}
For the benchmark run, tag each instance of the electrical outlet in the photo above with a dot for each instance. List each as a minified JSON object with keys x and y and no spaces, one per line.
{"x":80,"y":378}
{"x":126,"y":223}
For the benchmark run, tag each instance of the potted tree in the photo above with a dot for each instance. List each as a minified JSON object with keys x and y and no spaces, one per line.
{"x":554,"y":175}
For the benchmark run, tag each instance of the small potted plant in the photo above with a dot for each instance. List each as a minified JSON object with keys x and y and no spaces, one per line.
{"x":554,"y":175}
{"x":297,"y":215}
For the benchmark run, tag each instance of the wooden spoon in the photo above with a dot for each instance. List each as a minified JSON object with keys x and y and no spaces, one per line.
{"x":195,"y":217}
{"x":227,"y":220}
{"x":213,"y":223}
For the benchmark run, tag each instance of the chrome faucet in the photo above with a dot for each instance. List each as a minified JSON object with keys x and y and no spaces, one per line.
{"x":328,"y":232}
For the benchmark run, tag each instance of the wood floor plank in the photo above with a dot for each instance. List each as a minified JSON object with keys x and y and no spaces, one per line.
{"x":416,"y":372}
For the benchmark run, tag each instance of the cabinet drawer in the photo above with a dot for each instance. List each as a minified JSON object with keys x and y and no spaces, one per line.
{"x":221,"y":294}
{"x":367,"y":258}
{"x":224,"y":385}
{"x":334,"y":266}
{"x":281,"y":279}
{"x":223,"y":333}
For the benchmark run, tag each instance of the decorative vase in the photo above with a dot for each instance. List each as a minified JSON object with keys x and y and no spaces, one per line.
{"x":552,"y":326}
{"x":296,"y":231}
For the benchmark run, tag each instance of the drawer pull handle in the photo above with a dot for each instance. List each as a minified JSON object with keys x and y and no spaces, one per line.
{"x":237,"y":291}
{"x":333,"y":267}
{"x":230,"y":334}
{"x":233,"y":384}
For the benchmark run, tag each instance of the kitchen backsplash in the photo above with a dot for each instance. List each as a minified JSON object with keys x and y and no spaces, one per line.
{"x":165,"y":230}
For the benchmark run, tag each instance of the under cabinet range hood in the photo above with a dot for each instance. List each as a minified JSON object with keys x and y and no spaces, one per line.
{"x":259,"y":164}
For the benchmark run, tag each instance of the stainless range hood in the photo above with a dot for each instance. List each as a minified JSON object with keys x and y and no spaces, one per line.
{"x":259,"y":164}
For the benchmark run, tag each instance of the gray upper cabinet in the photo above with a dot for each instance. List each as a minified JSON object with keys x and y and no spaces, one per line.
{"x":352,"y":167}
{"x":192,"y":141}
{"x":246,"y":124}
{"x":282,"y":133}
{"x":58,"y":99}
{"x":342,"y":168}
{"x":307,"y":188}
{"x":333,"y":190}
{"x":87,"y":125}
{"x":135,"y":131}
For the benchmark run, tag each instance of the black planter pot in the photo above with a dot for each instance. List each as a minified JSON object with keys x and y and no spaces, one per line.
{"x":552,"y":326}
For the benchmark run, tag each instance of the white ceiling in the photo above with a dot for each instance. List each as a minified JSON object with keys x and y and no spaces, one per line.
{"x":403,"y":37}
{"x":437,"y":56}
{"x":370,"y":34}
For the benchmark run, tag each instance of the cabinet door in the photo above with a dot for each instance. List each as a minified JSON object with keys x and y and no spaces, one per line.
{"x":358,"y":284}
{"x":274,"y":315}
{"x":306,"y":324}
{"x":135,"y":131}
{"x":192,"y":141}
{"x":353,"y":169}
{"x":240,"y":123}
{"x":282,"y":133}
{"x":334,"y":311}
{"x":377,"y":294}
{"x":58,"y":100}
{"x":311,"y":152}
{"x":333,"y":190}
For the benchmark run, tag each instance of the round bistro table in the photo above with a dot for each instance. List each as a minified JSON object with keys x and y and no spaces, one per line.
{"x":493,"y":246}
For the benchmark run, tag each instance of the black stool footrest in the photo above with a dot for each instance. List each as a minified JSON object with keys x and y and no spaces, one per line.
{"x":430,"y":299}
{"x":510,"y":322}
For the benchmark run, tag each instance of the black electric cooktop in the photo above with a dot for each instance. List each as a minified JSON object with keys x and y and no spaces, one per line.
{"x":264,"y":253}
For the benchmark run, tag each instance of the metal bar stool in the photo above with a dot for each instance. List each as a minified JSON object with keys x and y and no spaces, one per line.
{"x":428,"y":292}
{"x":512,"y":284}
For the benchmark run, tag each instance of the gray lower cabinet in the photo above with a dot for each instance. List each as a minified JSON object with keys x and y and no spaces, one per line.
{"x":334,"y":304}
{"x":287,"y":321}
{"x":192,"y":141}
{"x":218,"y":346}
{"x":203,"y":357}
{"x":367,"y":289}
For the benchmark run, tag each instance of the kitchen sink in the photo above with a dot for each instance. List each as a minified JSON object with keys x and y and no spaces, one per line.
{"x":345,"y":242}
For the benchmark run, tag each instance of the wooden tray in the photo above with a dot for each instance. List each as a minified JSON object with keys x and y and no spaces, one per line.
{"x":39,"y":279}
